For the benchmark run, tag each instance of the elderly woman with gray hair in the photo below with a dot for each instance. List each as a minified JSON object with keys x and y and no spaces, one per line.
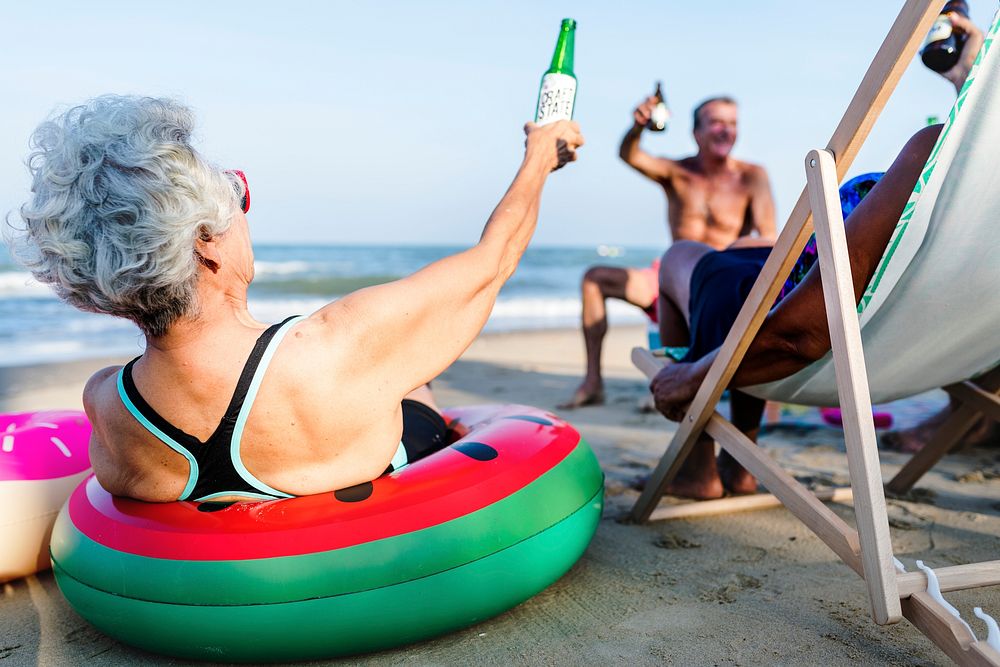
{"x":128,"y":219}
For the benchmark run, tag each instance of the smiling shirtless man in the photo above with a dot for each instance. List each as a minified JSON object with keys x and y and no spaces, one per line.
{"x":711,"y":197}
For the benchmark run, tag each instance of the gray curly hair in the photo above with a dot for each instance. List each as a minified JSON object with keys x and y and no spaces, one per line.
{"x":119,"y":198}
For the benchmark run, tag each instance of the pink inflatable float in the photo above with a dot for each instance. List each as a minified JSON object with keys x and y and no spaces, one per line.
{"x":43,"y":457}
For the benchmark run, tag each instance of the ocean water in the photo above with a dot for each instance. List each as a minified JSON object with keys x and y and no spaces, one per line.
{"x":36,"y":327}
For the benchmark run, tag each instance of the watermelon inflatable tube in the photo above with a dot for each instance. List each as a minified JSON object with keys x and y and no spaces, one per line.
{"x":43,"y":457}
{"x":443,"y":543}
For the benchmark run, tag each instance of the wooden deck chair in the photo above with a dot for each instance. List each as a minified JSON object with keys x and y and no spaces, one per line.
{"x":900,"y":316}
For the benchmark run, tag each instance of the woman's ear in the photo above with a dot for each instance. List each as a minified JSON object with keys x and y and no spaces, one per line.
{"x":207,"y":252}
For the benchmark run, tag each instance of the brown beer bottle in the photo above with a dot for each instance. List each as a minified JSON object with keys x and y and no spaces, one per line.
{"x":943,"y":47}
{"x":660,"y":116}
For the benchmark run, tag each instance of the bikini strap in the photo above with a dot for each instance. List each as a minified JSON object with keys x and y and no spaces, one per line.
{"x":185,"y":444}
{"x":167,"y":433}
{"x":251,"y":366}
{"x":248,"y":393}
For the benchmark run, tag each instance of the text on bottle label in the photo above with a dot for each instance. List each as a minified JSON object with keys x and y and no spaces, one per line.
{"x":556,"y":98}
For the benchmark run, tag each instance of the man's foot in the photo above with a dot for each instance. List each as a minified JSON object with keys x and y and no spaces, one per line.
{"x":583,"y":397}
{"x":912,"y":440}
{"x":696,"y":488}
{"x":908,"y":441}
{"x":698,"y":477}
{"x":683,"y":487}
{"x":735,"y":478}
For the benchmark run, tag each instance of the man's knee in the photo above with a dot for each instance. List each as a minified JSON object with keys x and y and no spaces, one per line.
{"x":592,"y":274}
{"x":610,"y":280}
{"x":680,"y":259}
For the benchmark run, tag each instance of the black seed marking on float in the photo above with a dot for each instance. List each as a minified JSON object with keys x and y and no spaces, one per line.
{"x":534,"y":420}
{"x":354,"y":494}
{"x":214,"y":506}
{"x":477,"y":451}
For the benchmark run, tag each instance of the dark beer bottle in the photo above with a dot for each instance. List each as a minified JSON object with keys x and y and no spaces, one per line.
{"x":661,"y":113}
{"x":943,"y":47}
{"x":557,"y":94}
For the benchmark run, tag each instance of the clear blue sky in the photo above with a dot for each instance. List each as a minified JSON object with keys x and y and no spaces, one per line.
{"x":400,"y":122}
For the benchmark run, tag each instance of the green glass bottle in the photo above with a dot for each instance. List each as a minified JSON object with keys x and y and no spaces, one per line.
{"x":557,"y":94}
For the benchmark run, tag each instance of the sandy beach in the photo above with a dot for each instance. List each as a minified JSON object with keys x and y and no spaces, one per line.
{"x":746,"y":589}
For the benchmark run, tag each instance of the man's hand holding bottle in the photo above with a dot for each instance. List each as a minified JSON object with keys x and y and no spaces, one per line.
{"x":644,"y":112}
{"x":652,"y":113}
{"x":963,"y":26}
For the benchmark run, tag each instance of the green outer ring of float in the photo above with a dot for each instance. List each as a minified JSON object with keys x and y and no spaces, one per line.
{"x":359,"y":622}
{"x":530,"y":510}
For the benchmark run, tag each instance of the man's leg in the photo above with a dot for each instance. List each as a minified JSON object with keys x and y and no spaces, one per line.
{"x":599,"y":284}
{"x":795,"y":332}
{"x":911,"y":440}
{"x":868,"y":229}
{"x":698,"y":476}
{"x":746,"y":412}
{"x":676,"y":269}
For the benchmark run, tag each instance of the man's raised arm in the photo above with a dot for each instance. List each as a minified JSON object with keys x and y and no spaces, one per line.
{"x":656,"y":168}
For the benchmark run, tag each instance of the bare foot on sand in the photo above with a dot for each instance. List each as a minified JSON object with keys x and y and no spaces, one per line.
{"x":911,"y":440}
{"x":696,"y":489}
{"x":584,"y":396}
{"x":685,"y":487}
{"x":699,"y":477}
{"x":735,"y":478}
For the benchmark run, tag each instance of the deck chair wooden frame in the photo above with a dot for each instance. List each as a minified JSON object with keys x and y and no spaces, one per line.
{"x":867,"y":550}
{"x":976,"y":398}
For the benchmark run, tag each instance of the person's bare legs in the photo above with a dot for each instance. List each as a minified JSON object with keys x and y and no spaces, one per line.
{"x":676,"y":269}
{"x":746,"y":412}
{"x":698,"y":476}
{"x":600,"y":283}
{"x":913,"y":439}
{"x":795,"y":332}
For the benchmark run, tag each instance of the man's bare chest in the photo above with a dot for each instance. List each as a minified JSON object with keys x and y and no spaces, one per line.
{"x":722,"y":201}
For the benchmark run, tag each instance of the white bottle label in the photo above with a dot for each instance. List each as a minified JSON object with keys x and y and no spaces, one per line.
{"x":556,"y":98}
{"x":660,"y":116}
{"x":940,"y":30}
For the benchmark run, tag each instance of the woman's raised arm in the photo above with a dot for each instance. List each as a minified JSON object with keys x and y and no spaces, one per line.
{"x":406,"y":332}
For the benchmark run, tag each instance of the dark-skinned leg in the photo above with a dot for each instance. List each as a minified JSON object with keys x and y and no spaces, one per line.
{"x":698,"y":476}
{"x":795,"y":333}
{"x":746,"y":414}
{"x":912,"y":440}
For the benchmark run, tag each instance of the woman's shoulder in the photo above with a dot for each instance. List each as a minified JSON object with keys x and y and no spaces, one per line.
{"x":100,"y":401}
{"x":98,"y":384}
{"x":330,"y":335}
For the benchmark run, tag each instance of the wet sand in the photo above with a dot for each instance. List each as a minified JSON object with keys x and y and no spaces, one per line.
{"x":749,"y":588}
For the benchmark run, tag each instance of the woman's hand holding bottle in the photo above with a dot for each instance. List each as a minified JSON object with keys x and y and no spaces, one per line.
{"x":554,"y":143}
